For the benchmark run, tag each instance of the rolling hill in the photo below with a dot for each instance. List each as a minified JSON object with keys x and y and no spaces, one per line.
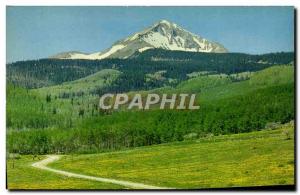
{"x":177,"y":64}
{"x":96,"y":81}
{"x":225,"y":107}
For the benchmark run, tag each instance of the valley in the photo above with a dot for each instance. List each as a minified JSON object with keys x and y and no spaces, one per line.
{"x":240,"y":132}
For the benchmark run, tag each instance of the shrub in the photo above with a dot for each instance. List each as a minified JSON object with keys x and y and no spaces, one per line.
{"x":14,"y":156}
{"x":272,"y":125}
{"x":190,"y":136}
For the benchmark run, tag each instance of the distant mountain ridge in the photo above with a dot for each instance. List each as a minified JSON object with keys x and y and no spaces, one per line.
{"x":164,"y":34}
{"x":47,"y":72}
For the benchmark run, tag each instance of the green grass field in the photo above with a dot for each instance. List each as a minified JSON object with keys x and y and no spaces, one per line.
{"x":23,"y":176}
{"x":259,"y":158}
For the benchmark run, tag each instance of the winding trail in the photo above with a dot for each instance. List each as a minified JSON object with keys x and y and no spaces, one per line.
{"x":51,"y":158}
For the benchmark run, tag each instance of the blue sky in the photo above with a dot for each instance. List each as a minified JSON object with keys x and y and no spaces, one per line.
{"x":37,"y":32}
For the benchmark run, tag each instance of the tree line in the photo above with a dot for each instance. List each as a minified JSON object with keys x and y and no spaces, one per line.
{"x":177,"y":64}
{"x":107,"y":132}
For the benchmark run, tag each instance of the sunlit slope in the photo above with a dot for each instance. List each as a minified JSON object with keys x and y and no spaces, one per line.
{"x":219,"y":86}
{"x":250,"y":159}
{"x":270,"y":77}
{"x":86,"y":85}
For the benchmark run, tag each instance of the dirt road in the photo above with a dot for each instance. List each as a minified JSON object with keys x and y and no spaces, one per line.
{"x":51,"y":158}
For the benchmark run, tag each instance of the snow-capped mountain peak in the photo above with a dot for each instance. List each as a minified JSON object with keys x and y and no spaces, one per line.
{"x":163,"y":34}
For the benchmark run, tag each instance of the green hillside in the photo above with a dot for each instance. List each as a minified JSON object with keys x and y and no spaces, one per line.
{"x":274,"y":76}
{"x":218,"y":86}
{"x":235,"y":107}
{"x":259,"y":158}
{"x":177,"y":64}
{"x":197,"y":84}
{"x":28,"y":110}
{"x":93,"y":82}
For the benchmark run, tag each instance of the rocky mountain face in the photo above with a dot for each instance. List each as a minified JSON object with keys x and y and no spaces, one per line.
{"x":164,"y":34}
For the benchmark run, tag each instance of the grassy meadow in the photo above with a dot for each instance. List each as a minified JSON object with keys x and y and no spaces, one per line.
{"x":259,"y":158}
{"x":22,"y":176}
